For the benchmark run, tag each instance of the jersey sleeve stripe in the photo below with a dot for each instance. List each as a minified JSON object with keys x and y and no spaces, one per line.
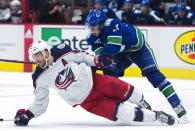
{"x":140,"y":42}
{"x":65,"y":55}
{"x":114,"y":39}
{"x":98,"y":50}
{"x":139,"y":38}
{"x":115,"y":44}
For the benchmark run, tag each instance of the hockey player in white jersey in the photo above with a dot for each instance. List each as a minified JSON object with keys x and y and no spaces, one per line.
{"x":70,"y":73}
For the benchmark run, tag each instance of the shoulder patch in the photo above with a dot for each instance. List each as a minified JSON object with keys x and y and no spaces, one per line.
{"x":108,"y":22}
{"x":61,"y":46}
{"x":105,"y":10}
{"x":189,"y":15}
{"x":59,"y":50}
{"x":137,"y":11}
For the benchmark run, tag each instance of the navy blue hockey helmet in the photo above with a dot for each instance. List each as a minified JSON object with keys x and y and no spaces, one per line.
{"x":128,"y":1}
{"x":99,"y":1}
{"x":180,"y":6}
{"x":145,"y":3}
{"x":95,"y":18}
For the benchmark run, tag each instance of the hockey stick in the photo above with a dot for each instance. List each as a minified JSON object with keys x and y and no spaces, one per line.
{"x":15,"y":61}
{"x":1,"y":120}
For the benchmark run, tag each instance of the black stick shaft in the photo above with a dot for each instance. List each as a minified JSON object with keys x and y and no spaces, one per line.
{"x":15,"y":61}
{"x":1,"y":119}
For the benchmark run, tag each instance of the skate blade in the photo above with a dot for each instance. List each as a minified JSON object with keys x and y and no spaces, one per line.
{"x":183,"y":120}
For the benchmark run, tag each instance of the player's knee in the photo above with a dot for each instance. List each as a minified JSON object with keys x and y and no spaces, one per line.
{"x":136,"y":96}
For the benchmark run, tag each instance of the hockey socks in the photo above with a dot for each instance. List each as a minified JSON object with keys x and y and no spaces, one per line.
{"x":136,"y":96}
{"x":129,"y":113}
{"x":170,"y":94}
{"x":168,"y":91}
{"x":138,"y":99}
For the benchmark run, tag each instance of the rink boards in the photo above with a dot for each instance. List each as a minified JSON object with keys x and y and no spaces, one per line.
{"x":131,"y":71}
{"x":174,"y":47}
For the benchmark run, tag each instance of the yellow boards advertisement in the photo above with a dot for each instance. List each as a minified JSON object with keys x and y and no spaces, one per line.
{"x":185,"y":47}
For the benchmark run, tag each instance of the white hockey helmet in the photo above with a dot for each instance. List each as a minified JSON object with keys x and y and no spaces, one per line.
{"x":15,"y":3}
{"x":37,"y":46}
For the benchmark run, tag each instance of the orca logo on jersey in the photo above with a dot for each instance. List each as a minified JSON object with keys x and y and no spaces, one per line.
{"x":64,"y":78}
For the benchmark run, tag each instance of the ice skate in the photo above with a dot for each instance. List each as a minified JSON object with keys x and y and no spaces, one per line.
{"x":180,"y":110}
{"x":181,"y":114}
{"x":163,"y":117}
{"x":144,"y":105}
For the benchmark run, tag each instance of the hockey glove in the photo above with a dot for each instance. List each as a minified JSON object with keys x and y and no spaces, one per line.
{"x":105,"y":60}
{"x":110,"y":70}
{"x":23,"y":117}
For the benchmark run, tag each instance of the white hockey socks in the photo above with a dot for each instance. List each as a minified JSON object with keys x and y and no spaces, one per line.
{"x":138,"y":99}
{"x":136,"y":96}
{"x":129,"y":113}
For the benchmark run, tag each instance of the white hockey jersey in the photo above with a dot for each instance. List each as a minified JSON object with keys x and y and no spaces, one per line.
{"x":70,"y":75}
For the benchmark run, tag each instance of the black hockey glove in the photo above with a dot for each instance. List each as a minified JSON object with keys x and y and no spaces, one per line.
{"x":110,"y":70}
{"x":105,"y":60}
{"x":23,"y":117}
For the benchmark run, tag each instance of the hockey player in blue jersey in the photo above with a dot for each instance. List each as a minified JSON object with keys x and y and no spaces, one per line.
{"x":146,"y":15}
{"x":100,"y":5}
{"x":127,"y":43}
{"x":172,"y":10}
{"x":183,"y":16}
{"x":126,"y":13}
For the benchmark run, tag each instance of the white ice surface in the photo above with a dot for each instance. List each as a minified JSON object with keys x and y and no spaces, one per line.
{"x":16,"y":92}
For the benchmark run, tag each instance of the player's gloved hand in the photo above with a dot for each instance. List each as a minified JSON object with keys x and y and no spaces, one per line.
{"x":23,"y":117}
{"x":105,"y":60}
{"x":110,"y":70}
